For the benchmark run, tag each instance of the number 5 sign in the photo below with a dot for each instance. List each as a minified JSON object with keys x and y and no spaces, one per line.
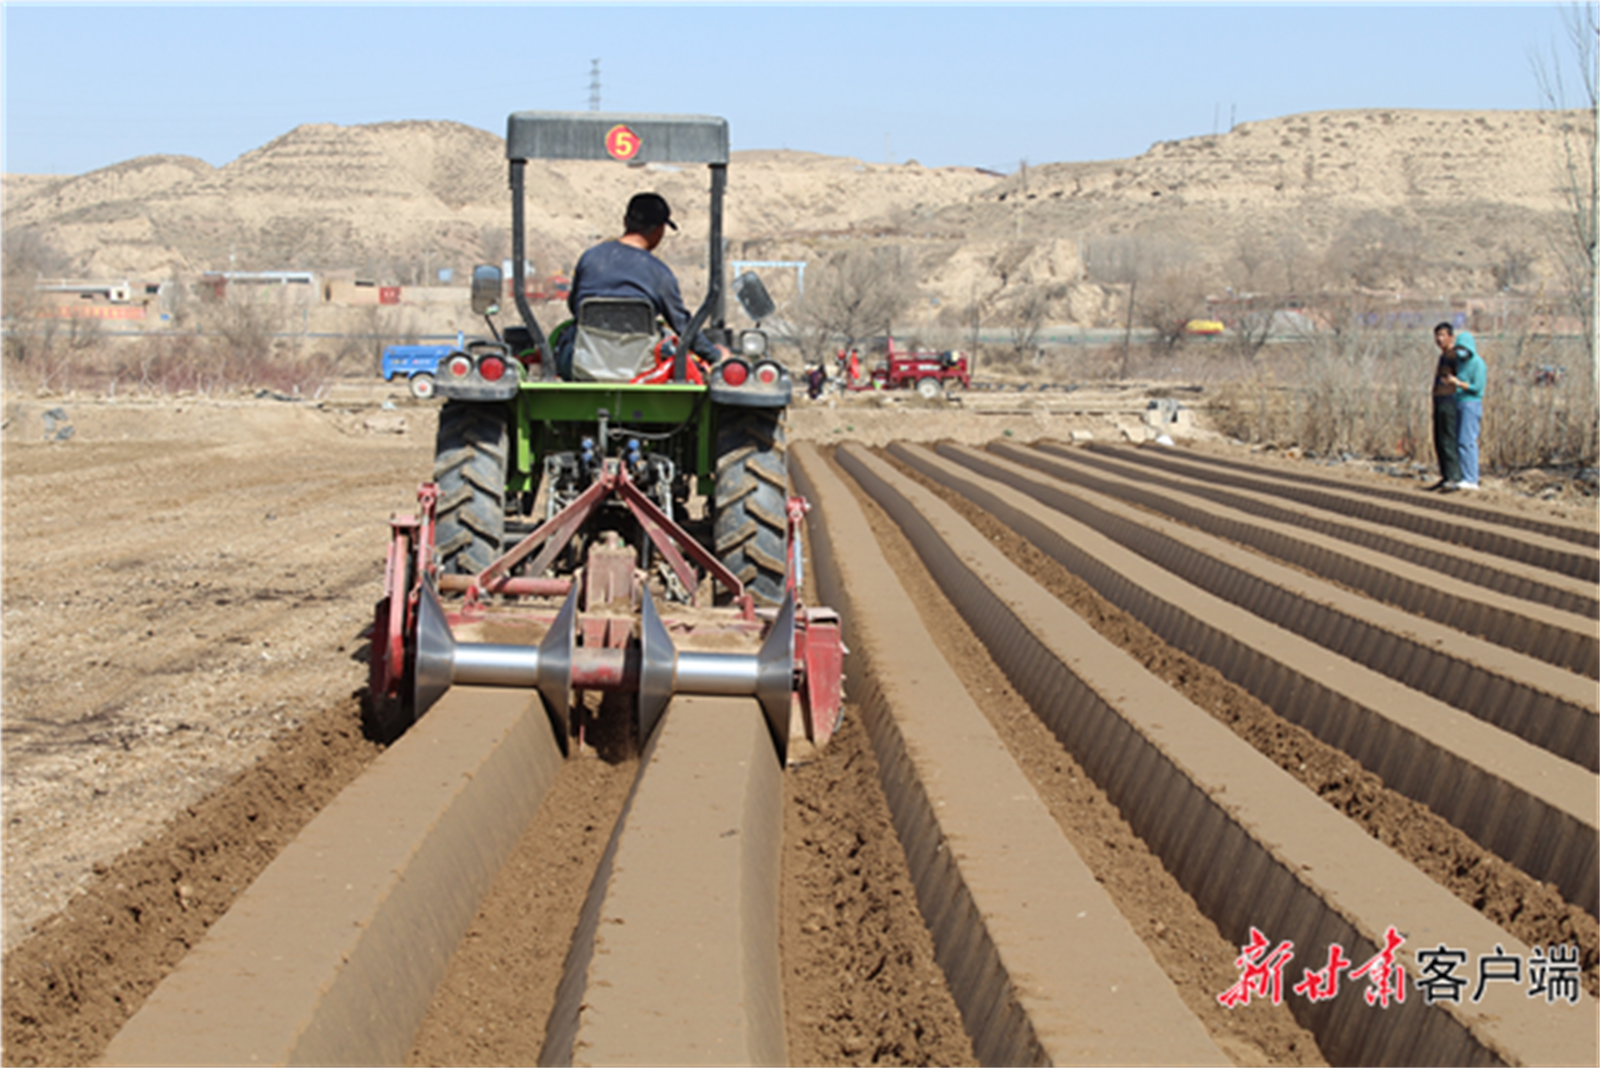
{"x":622,"y":143}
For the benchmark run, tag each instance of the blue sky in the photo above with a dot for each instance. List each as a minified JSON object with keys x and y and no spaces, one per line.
{"x":984,"y":85}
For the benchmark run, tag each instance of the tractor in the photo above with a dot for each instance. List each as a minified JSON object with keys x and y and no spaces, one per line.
{"x":569,"y":505}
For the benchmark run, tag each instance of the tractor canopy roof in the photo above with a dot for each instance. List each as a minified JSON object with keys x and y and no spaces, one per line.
{"x":630,"y":138}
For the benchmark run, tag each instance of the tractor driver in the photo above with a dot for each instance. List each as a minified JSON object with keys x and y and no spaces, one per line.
{"x":626,"y":268}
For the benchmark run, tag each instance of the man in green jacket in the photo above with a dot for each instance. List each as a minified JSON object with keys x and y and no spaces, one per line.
{"x":1470,"y":377}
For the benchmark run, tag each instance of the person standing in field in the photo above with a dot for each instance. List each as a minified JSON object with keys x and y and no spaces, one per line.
{"x":1470,"y":377}
{"x":1445,"y":410}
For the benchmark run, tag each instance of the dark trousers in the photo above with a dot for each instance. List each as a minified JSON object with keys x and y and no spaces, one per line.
{"x":1445,"y":421}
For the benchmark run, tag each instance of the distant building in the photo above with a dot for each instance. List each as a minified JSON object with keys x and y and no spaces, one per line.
{"x":81,"y":298}
{"x":289,"y":287}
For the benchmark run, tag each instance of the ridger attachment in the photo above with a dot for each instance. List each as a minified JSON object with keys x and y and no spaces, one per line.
{"x":617,"y":453}
{"x":586,"y":644}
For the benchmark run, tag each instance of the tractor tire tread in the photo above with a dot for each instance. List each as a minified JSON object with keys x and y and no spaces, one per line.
{"x":751,"y":527}
{"x":470,"y":471}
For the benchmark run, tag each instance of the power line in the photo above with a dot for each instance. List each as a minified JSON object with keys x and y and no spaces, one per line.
{"x":594,"y":85}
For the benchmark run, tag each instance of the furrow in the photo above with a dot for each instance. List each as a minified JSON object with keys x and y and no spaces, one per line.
{"x":676,"y":956}
{"x":1542,"y":704}
{"x":333,"y":954}
{"x":1585,"y":536}
{"x":1528,"y":806}
{"x":1260,"y":499}
{"x":1013,"y":910}
{"x":1480,"y":530}
{"x":1562,"y":638}
{"x":1254,"y":848}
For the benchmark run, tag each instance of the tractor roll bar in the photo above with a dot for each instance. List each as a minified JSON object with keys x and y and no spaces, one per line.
{"x":634,"y":138}
{"x":519,"y":285}
{"x":715,"y":302}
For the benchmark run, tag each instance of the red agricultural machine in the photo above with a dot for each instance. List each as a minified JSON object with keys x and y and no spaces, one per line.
{"x":929,"y":373}
{"x":669,"y":488}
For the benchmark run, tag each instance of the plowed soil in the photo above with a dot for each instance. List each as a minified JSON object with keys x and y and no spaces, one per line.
{"x":75,"y":982}
{"x":1194,"y":954}
{"x":860,"y":982}
{"x":186,"y":583}
{"x":1533,"y":911}
{"x":185,"y":589}
{"x":496,"y":996}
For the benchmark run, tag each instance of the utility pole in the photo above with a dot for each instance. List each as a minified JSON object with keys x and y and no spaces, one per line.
{"x":1594,"y":209}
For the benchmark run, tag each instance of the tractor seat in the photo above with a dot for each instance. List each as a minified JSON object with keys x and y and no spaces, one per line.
{"x":613,"y":339}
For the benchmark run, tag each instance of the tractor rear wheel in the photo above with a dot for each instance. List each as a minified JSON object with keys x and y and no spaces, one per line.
{"x":752,"y":524}
{"x":469,"y":466}
{"x":930,"y":388}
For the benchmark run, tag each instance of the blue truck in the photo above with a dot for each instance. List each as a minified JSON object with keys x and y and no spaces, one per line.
{"x":417,"y":364}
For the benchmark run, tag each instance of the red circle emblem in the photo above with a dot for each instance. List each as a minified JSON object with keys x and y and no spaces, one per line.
{"x":622,"y":143}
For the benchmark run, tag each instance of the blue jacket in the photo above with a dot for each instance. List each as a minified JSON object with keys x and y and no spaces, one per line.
{"x":1470,"y":368}
{"x":612,"y":269}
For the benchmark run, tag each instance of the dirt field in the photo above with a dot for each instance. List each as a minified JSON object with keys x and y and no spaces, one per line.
{"x":187,"y":580}
{"x":186,"y":583}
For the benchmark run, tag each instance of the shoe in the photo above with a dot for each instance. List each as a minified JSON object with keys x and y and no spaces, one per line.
{"x":1450,"y":487}
{"x":1436,"y":487}
{"x":1466,"y":485}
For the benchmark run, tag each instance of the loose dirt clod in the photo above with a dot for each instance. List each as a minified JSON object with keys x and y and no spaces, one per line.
{"x":495,"y":999}
{"x":77,"y":980}
{"x":860,"y":982}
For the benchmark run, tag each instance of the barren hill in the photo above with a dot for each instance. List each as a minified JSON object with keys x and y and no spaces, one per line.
{"x":1450,"y":201}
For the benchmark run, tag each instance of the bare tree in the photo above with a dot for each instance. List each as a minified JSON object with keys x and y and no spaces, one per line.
{"x":858,"y":293}
{"x":1512,"y":267}
{"x":1376,"y":250}
{"x":1295,"y":259}
{"x":1023,"y":316}
{"x":1164,"y":285}
{"x":1578,"y":246}
{"x":1010,"y":257}
{"x":1171,"y":297}
{"x":1251,"y":255}
{"x":38,"y":345}
{"x":1117,"y":261}
{"x":244,"y":344}
{"x":1255,"y":295}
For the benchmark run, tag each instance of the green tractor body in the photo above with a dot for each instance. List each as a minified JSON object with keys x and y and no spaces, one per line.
{"x":511,"y":428}
{"x":569,"y":503}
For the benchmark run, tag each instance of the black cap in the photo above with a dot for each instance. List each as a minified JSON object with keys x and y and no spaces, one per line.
{"x":646,"y":211}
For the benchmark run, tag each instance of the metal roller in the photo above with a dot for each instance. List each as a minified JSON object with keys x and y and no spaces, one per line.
{"x":655,"y":669}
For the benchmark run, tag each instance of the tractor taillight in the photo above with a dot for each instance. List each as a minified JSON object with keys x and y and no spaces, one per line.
{"x":460,"y":367}
{"x":734,"y":372}
{"x":492,"y":368}
{"x":767,"y":374}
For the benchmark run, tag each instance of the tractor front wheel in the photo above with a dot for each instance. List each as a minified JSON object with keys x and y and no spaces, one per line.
{"x":930,"y":389}
{"x":469,"y":466}
{"x":752,"y":499}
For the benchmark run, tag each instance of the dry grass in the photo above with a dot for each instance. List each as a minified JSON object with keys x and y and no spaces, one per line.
{"x":1367,"y":394}
{"x":169,"y":365}
{"x":233,"y":346}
